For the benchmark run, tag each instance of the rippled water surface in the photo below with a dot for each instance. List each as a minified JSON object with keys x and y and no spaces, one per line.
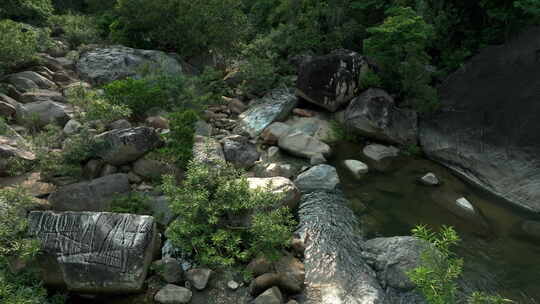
{"x":392,"y":203}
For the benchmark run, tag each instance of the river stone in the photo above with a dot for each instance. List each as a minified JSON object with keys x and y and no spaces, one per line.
{"x":335,"y":269}
{"x":161,"y":209}
{"x":241,"y":153}
{"x":271,"y":296}
{"x":487,"y":129}
{"x":123,"y":146}
{"x":430,"y":179}
{"x":153,"y":170}
{"x":119,"y":124}
{"x":279,"y":186}
{"x":11,"y":147}
{"x":104,"y":65}
{"x":465,"y":205}
{"x":94,"y":195}
{"x":169,"y":269}
{"x":330,"y":81}
{"x":7,"y":110}
{"x":274,"y":170}
{"x":374,"y":114}
{"x":393,"y":257}
{"x":92,"y":252}
{"x":273,"y":132}
{"x":274,"y":106}
{"x":318,"y":126}
{"x":321,"y":177}
{"x":380,"y":157}
{"x":172,"y":294}
{"x":29,"y":81}
{"x":199,"y":277}
{"x":42,"y":113}
{"x":42,"y":95}
{"x":531,"y":229}
{"x":72,"y":127}
{"x":302,"y":145}
{"x":356,"y":167}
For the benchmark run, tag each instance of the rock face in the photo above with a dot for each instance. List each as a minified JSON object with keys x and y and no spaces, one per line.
{"x":335,"y":269}
{"x":94,"y":252}
{"x":487,"y":129}
{"x":126,"y":145}
{"x":375,"y":115}
{"x":275,"y":106}
{"x":321,"y":177}
{"x":104,"y":65}
{"x":330,"y":81}
{"x":90,"y":196}
{"x":302,"y":145}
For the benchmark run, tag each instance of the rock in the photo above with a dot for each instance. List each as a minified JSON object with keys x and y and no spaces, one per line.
{"x":72,"y":127}
{"x":335,"y":270}
{"x":72,"y":88}
{"x":90,"y":196}
{"x":108,"y":170}
{"x":236,"y":106}
{"x":356,"y":167}
{"x":464,"y":205}
{"x":41,"y":113}
{"x":199,"y":277}
{"x":303,"y":112}
{"x":279,"y":186}
{"x":119,"y":124}
{"x":273,"y":132}
{"x":242,"y":154}
{"x":233,"y":285}
{"x":430,"y":179}
{"x":207,"y":150}
{"x":303,"y":145}
{"x":11,"y":147}
{"x":172,"y":294}
{"x":263,"y":282}
{"x":103,"y":65}
{"x":486,"y":129}
{"x":126,"y":145}
{"x":274,"y":106}
{"x":271,"y":296}
{"x":330,"y":81}
{"x":381,"y":157}
{"x":319,"y":126}
{"x":321,"y":177}
{"x":153,"y":170}
{"x":7,"y":110}
{"x":92,"y":169}
{"x":158,"y":122}
{"x":94,"y":253}
{"x":275,"y":170}
{"x":393,"y":257}
{"x":317,"y":159}
{"x":30,"y":182}
{"x":374,"y":114}
{"x":134,"y":178}
{"x":29,"y":81}
{"x":42,"y":95}
{"x":169,"y":269}
{"x":202,"y":128}
{"x":161,"y":210}
{"x":531,"y":229}
{"x":259,"y":266}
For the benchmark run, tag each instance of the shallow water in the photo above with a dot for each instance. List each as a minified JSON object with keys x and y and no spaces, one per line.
{"x":392,"y":203}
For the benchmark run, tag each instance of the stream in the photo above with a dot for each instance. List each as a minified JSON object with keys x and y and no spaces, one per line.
{"x":392,"y":203}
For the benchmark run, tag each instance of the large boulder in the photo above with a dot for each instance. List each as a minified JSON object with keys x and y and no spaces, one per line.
{"x":330,"y":81}
{"x":91,"y":252}
{"x":374,"y":114}
{"x":335,"y":269}
{"x":274,"y":106}
{"x":94,"y":195}
{"x":487,"y":129}
{"x":240,"y":152}
{"x":122,"y":146}
{"x":42,"y":113}
{"x":104,"y":65}
{"x":321,"y":177}
{"x":300,"y":144}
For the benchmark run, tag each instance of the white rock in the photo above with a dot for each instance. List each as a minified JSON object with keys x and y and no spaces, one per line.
{"x":430,"y":179}
{"x":465,"y":205}
{"x":356,"y":167}
{"x":233,"y":285}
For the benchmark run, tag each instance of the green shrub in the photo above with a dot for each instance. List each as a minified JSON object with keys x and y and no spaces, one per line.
{"x":370,"y":80}
{"x":92,"y":106}
{"x":77,"y":29}
{"x":399,"y":46}
{"x":28,"y":11}
{"x":191,"y":28}
{"x":18,"y":44}
{"x":213,"y":204}
{"x":436,"y":277}
{"x":4,"y":129}
{"x":179,"y":141}
{"x":133,"y":203}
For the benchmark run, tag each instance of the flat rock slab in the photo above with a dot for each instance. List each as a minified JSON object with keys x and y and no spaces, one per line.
{"x":94,"y":252}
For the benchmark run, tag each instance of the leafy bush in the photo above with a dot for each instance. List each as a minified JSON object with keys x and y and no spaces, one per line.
{"x":189,"y":27}
{"x":179,"y":141}
{"x":28,"y":11}
{"x":4,"y":129}
{"x":133,"y":203}
{"x":92,"y":106}
{"x":213,"y":205}
{"x":77,"y":29}
{"x":18,"y":44}
{"x":399,"y":46}
{"x":436,"y":277}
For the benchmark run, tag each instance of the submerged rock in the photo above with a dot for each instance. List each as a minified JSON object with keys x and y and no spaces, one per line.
{"x":430,"y":179}
{"x":381,"y":157}
{"x":356,"y":167}
{"x":92,"y":252}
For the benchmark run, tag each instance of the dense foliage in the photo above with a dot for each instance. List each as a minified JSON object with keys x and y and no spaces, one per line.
{"x":18,"y":44}
{"x":28,"y":11}
{"x":76,"y":29}
{"x":179,"y":141}
{"x":221,"y":221}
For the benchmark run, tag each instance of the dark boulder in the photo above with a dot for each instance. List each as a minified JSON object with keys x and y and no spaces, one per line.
{"x":122,"y":146}
{"x":330,"y":81}
{"x":487,"y":129}
{"x":374,"y":114}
